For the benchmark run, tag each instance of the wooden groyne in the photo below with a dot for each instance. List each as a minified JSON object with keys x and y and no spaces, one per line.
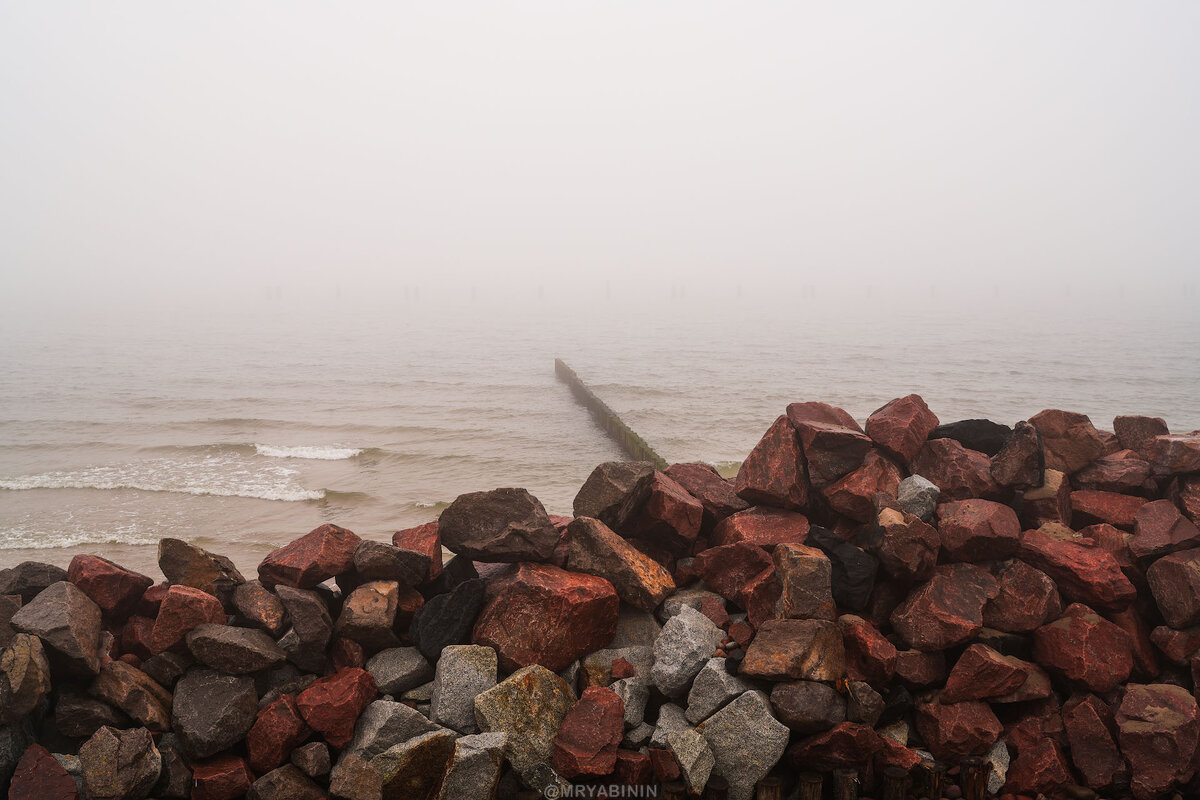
{"x":635,"y":446}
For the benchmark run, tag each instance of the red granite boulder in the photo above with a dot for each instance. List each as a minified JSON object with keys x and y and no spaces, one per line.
{"x":1119,"y":510}
{"x":224,"y":777}
{"x":1083,"y":573}
{"x":1159,"y":529}
{"x":1123,"y":471}
{"x":907,"y":547}
{"x":953,"y":731}
{"x":1069,"y":440}
{"x":847,"y":744}
{"x":805,"y":577}
{"x":39,"y":776}
{"x":920,"y":669}
{"x":946,"y":610}
{"x":633,"y":768}
{"x":1186,"y":493}
{"x":586,"y":744}
{"x":763,"y":526}
{"x":541,"y":614}
{"x":832,"y":442}
{"x":112,"y":587}
{"x":1028,"y":598}
{"x":1033,"y":722}
{"x":1175,"y":455}
{"x":727,"y":569}
{"x":661,"y":513}
{"x":773,"y":474}
{"x":981,"y":673}
{"x":796,"y":649}
{"x":1137,"y":433}
{"x":183,"y":609}
{"x":978,"y":530}
{"x":1178,"y":646}
{"x":312,"y":559}
{"x":1090,"y":728}
{"x":870,"y":657}
{"x":1084,"y":647}
{"x":718,"y":495}
{"x":902,"y":426}
{"x":853,"y":495}
{"x":959,"y":473}
{"x":423,"y":539}
{"x":278,"y":730}
{"x":1159,"y":732}
{"x":1175,"y":582}
{"x":596,"y":550}
{"x":1020,"y":463}
{"x":331,"y":706}
{"x":1041,"y":769}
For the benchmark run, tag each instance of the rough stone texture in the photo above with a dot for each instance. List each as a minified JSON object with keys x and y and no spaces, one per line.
{"x":424,"y":539}
{"x":975,"y":434}
{"x":853,"y":495}
{"x":382,"y":725}
{"x":113,"y":588}
{"x":39,"y":776}
{"x":312,"y":759}
{"x":29,"y":578}
{"x":634,"y":693}
{"x":982,"y":673}
{"x":586,"y":743}
{"x":545,"y":615}
{"x":853,"y":571}
{"x":1122,"y":471}
{"x":685,"y":644}
{"x":902,"y":426}
{"x":808,"y":707}
{"x":716,"y":494}
{"x":660,"y":513}
{"x":1158,"y":731}
{"x":260,"y":607}
{"x":189,"y":565}
{"x":182,"y":610}
{"x":796,"y":649}
{"x":234,"y":650}
{"x":1175,"y":582}
{"x":9,"y":605}
{"x":529,"y":706}
{"x":1137,"y":433}
{"x":918,"y":496}
{"x":1069,"y":440}
{"x":277,"y":731}
{"x":380,"y":561}
{"x":729,"y":570}
{"x":1159,"y":529}
{"x":832,"y":442}
{"x":285,"y":783}
{"x":332,"y":704}
{"x":119,"y":765}
{"x":920,"y":669}
{"x":978,"y":530}
{"x":1120,"y":510}
{"x":805,"y":577}
{"x":1174,"y":455}
{"x":712,"y":688}
{"x":79,"y":716}
{"x":959,"y":473}
{"x":907,"y":547}
{"x":447,"y":618}
{"x":763,"y":526}
{"x":505,"y":525}
{"x":24,"y":677}
{"x":475,"y":769}
{"x":212,"y":712}
{"x":953,"y":731}
{"x":1177,"y":646}
{"x":864,"y":704}
{"x":222,"y":778}
{"x":607,"y":486}
{"x":398,"y":669}
{"x":1041,"y":768}
{"x":1090,"y":728}
{"x":595,"y":550}
{"x":1020,"y":463}
{"x":1083,"y":646}
{"x":134,"y":692}
{"x":68,"y":623}
{"x":1028,"y":598}
{"x":309,"y":616}
{"x":869,"y":656}
{"x":1050,"y":502}
{"x":746,"y":742}
{"x":947,"y":610}
{"x":463,"y":673}
{"x":773,"y":473}
{"x":310,"y":560}
{"x":1083,"y":574}
{"x":369,"y":615}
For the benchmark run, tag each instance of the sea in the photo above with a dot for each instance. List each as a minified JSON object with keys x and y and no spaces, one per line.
{"x":241,"y":425}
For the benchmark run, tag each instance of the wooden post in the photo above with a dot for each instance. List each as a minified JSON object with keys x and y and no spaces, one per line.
{"x":717,"y":789}
{"x":931,"y":779}
{"x":770,"y":789}
{"x":974,"y":778}
{"x":811,"y":784}
{"x":895,"y":781}
{"x":845,"y":784}
{"x":675,"y":790}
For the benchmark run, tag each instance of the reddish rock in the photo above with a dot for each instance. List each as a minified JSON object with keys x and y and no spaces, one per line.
{"x":761,"y":596}
{"x":1050,"y":502}
{"x":893,"y":754}
{"x":1145,"y":657}
{"x":222,"y":778}
{"x":137,"y":636}
{"x":1159,"y":528}
{"x":805,"y":577}
{"x":407,"y":605}
{"x":854,"y":494}
{"x":664,"y":765}
{"x":948,"y":609}
{"x":634,"y":768}
{"x":727,"y":569}
{"x":796,"y":649}
{"x":126,"y":687}
{"x":1187,"y":495}
{"x":152,"y":600}
{"x":369,"y":615}
{"x":1178,"y":646}
{"x":742,"y":633}
{"x":594,"y":549}
{"x":331,"y":706}
{"x":622,"y":669}
{"x":260,"y":607}
{"x":1137,"y":433}
{"x":1040,"y":769}
{"x":346,"y":653}
{"x":1089,"y":506}
{"x":278,"y":730}
{"x":1089,"y":728}
{"x":869,"y":656}
{"x":763,"y":526}
{"x":832,"y":442}
{"x":1174,"y":455}
{"x":662,"y":513}
{"x":773,"y":474}
{"x":1028,"y":598}
{"x":907,"y":547}
{"x":1123,"y":471}
{"x":423,"y":539}
{"x":1035,"y":721}
{"x":953,"y":731}
{"x":189,"y":565}
{"x":982,"y":673}
{"x":1084,"y":574}
{"x":541,"y":614}
{"x":714,"y":609}
{"x":847,"y":744}
{"x":1158,"y":730}
{"x":1083,"y":646}
{"x":718,"y":495}
{"x":902,"y":426}
{"x":39,"y":776}
{"x":921,"y":669}
{"x":959,"y":473}
{"x":112,"y":587}
{"x":312,"y":559}
{"x":183,"y":609}
{"x":586,"y":744}
{"x":1175,"y":582}
{"x":1069,"y":440}
{"x":1020,"y":463}
{"x":978,"y":530}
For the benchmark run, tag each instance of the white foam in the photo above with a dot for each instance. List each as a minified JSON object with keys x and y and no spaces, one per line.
{"x":315,"y":452}
{"x":21,"y":537}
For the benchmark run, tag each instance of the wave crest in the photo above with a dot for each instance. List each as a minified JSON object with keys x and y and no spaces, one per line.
{"x":320,"y":453}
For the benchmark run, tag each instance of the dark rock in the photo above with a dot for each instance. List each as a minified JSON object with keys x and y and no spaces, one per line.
{"x":902,"y":426}
{"x":9,"y":605}
{"x":447,"y":619}
{"x":718,"y":495}
{"x":79,"y":717}
{"x":310,"y":618}
{"x":847,"y":744}
{"x":212,"y":711}
{"x":587,"y":742}
{"x":660,"y":513}
{"x":607,"y":487}
{"x":68,"y":623}
{"x":312,"y":759}
{"x":978,"y":530}
{"x":1083,"y":574}
{"x":773,"y":474}
{"x":260,"y":607}
{"x":225,"y":777}
{"x":29,"y":578}
{"x":1083,"y":646}
{"x":457,"y":571}
{"x":236,"y":651}
{"x":332,"y":704}
{"x":287,"y":783}
{"x":1175,"y":582}
{"x":982,"y":435}
{"x":796,"y":649}
{"x":119,"y":765}
{"x":948,"y":609}
{"x":1041,"y":769}
{"x":24,"y":677}
{"x":1050,"y":502}
{"x":920,"y":669}
{"x":864,"y":704}
{"x":423,"y":539}
{"x":379,"y":561}
{"x":187,"y":565}
{"x":805,"y":577}
{"x":166,"y":668}
{"x":505,"y":525}
{"x":853,"y":570}
{"x":312,"y":559}
{"x":39,"y":776}
{"x":134,"y":692}
{"x":807,"y":707}
{"x":1159,"y":731}
{"x":1020,"y":462}
{"x":175,"y":780}
{"x":596,"y":550}
{"x":854,"y":494}
{"x":1177,"y":646}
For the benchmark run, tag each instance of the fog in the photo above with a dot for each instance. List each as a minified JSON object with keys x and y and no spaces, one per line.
{"x":181,"y":154}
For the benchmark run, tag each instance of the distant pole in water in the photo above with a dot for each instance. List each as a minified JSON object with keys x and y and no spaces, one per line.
{"x":607,"y":419}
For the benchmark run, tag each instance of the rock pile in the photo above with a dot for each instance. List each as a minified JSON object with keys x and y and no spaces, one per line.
{"x":1010,"y":609}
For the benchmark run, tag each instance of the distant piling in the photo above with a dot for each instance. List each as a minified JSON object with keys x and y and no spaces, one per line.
{"x":635,"y":446}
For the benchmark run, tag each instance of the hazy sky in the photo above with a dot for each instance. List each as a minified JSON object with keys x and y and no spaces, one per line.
{"x":174,"y":148}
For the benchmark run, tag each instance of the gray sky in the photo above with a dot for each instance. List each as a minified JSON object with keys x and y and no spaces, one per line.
{"x":184,"y":148}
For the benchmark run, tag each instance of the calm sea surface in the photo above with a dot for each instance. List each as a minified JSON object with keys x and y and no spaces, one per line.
{"x":242,"y":429}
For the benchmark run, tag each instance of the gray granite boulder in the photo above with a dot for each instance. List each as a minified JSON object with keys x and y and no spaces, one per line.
{"x":464,"y":671}
{"x":694,"y":756}
{"x":686,"y":643}
{"x":918,"y":496}
{"x":529,"y":706}
{"x":398,"y":669}
{"x":68,"y":623}
{"x":475,"y":769}
{"x":233,"y":650}
{"x":212,"y":711}
{"x":746,"y":742}
{"x":712,"y":689}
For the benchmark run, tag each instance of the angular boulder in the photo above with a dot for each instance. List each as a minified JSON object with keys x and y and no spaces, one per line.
{"x":763,"y":526}
{"x":331,"y":706}
{"x":425,"y":540}
{"x":119,"y":765}
{"x":586,"y":743}
{"x":369,"y":615}
{"x":595,"y":550}
{"x":978,"y":530}
{"x":853,"y":495}
{"x":918,"y":496}
{"x":853,"y":570}
{"x":312,"y":559}
{"x":746,"y":742}
{"x":902,"y":426}
{"x":475,"y":767}
{"x":1160,"y":529}
{"x":24,"y":677}
{"x":661,"y":513}
{"x":796,"y":649}
{"x":1122,"y":471}
{"x":236,"y":651}
{"x":1158,"y":731}
{"x":959,"y":473}
{"x":1027,"y":599}
{"x":981,"y":673}
{"x":805,"y":579}
{"x":808,"y":707}
{"x":212,"y":712}
{"x":1084,"y":574}
{"x":285,"y":783}
{"x":68,"y":623}
{"x":113,"y":588}
{"x":1082,"y":646}
{"x":39,"y":776}
{"x":1120,"y":510}
{"x":1069,"y":440}
{"x":832,"y":442}
{"x":1137,"y":433}
{"x":773,"y":473}
{"x":29,"y":578}
{"x":278,"y":729}
{"x":224,"y":777}
{"x":380,"y":561}
{"x":684,"y":645}
{"x":1090,"y":729}
{"x":134,"y":692}
{"x":183,"y":609}
{"x":946,"y":610}
{"x":188,"y":565}
{"x":1175,"y":455}
{"x":447,"y":618}
{"x":463,"y":673}
{"x":607,"y":487}
{"x":870,"y":657}
{"x":1175,"y":582}
{"x":953,"y":731}
{"x":503,"y":525}
{"x":975,"y":434}
{"x":529,"y":706}
{"x":398,"y":669}
{"x":1020,"y":463}
{"x":260,"y":607}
